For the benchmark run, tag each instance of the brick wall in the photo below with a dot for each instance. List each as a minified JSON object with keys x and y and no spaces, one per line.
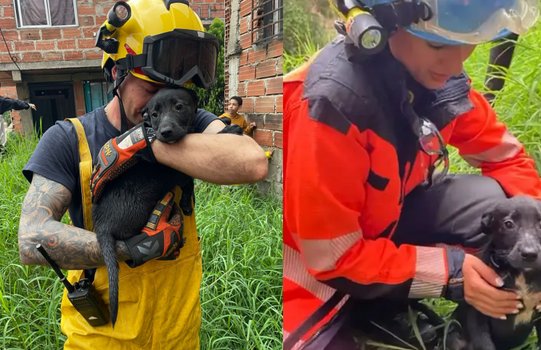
{"x":67,"y":44}
{"x":227,"y":22}
{"x":259,"y":78}
{"x":53,"y":44}
{"x":258,"y":71}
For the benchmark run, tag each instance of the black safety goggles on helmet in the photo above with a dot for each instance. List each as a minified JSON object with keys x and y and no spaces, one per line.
{"x":175,"y":57}
{"x":432,"y":144}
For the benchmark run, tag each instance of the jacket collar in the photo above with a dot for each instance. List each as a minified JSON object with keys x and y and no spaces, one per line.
{"x":440,"y":106}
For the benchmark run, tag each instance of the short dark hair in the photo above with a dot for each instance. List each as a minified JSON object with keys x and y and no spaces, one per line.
{"x":238,"y":99}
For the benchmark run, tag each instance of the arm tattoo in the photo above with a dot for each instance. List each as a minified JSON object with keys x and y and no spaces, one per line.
{"x":70,"y":247}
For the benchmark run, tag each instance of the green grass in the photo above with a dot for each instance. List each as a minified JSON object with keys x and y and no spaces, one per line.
{"x":241,"y":292}
{"x":6,"y":117}
{"x":518,"y":105}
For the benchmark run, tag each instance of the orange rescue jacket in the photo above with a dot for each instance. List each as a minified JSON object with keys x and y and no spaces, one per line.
{"x":350,"y":160}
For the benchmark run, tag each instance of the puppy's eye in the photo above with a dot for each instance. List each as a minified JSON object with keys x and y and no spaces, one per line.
{"x":509,"y":224}
{"x":179,"y":107}
{"x":154,"y":115}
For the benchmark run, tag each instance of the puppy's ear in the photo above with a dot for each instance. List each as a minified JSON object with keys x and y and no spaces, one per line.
{"x":146,"y":117}
{"x":486,"y":222}
{"x":194,"y":97}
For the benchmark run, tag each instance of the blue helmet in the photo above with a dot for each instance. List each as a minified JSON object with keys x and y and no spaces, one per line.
{"x":471,"y":21}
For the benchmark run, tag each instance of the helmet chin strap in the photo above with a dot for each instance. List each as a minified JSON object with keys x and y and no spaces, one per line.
{"x":123,"y":119}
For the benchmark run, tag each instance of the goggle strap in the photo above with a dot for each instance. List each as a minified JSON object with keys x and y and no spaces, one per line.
{"x":131,"y":62}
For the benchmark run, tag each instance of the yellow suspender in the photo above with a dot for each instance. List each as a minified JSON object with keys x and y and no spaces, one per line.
{"x":85,"y":168}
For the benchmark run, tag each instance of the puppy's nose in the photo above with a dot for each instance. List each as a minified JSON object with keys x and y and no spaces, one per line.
{"x":529,"y":254}
{"x":167,"y":131}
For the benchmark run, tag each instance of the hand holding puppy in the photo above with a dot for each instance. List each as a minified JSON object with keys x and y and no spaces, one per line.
{"x":481,"y":291}
{"x":120,"y":154}
{"x":162,"y":237}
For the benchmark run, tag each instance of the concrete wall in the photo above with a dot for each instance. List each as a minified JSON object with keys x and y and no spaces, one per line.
{"x":254,"y":72}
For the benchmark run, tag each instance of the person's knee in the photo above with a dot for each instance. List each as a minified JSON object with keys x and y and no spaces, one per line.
{"x":479,"y":185}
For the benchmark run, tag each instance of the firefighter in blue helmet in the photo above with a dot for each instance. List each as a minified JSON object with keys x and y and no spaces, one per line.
{"x":456,"y":22}
{"x":366,"y":124}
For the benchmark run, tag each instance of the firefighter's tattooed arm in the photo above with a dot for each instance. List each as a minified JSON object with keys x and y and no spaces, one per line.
{"x":70,"y":247}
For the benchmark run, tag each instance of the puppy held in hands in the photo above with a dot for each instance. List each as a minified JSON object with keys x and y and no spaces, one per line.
{"x":127,"y":201}
{"x":514,"y":252}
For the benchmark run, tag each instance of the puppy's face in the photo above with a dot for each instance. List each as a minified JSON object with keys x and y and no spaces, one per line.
{"x":515,"y":226}
{"x":171,"y":113}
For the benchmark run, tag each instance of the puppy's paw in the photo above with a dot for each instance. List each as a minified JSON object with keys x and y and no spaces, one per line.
{"x":232,"y":129}
{"x":187,"y":210}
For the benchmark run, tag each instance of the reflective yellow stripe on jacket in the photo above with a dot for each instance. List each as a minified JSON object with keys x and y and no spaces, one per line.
{"x":159,"y":305}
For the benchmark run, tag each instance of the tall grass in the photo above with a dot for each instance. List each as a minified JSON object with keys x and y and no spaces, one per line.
{"x":241,"y":293}
{"x":518,"y":105}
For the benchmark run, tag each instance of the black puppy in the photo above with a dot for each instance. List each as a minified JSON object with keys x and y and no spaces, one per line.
{"x":127,"y":201}
{"x":514,"y":226}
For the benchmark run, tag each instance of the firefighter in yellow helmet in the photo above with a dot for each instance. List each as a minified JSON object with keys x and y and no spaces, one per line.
{"x":135,"y":42}
{"x":147,"y":44}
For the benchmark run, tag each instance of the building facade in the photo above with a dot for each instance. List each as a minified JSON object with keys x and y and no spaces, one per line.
{"x":48,"y":56}
{"x":254,"y":71}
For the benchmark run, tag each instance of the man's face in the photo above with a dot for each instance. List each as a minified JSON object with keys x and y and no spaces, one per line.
{"x":233,"y":106}
{"x":135,"y":94}
{"x":431,"y":64}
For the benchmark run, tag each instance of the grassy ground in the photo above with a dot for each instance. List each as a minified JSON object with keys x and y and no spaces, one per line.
{"x":241,"y":293}
{"x":518,"y":105}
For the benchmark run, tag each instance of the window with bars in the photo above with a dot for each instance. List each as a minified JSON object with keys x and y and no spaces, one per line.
{"x":267,"y":20}
{"x":45,"y":13}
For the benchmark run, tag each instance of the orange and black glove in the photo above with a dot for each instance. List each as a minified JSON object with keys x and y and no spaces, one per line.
{"x":162,"y":236}
{"x":120,"y":154}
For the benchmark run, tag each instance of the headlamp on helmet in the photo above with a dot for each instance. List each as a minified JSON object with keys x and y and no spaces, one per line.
{"x":118,"y":15}
{"x":368,"y":28}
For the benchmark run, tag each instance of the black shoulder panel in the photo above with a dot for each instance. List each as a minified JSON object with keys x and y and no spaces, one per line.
{"x":337,"y":90}
{"x":371,"y":291}
{"x":451,"y":101}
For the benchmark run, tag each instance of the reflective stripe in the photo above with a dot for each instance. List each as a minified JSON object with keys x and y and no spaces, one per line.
{"x":430,"y":274}
{"x":322,"y":254}
{"x":297,"y":345}
{"x":507,"y":149}
{"x":295,"y":271}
